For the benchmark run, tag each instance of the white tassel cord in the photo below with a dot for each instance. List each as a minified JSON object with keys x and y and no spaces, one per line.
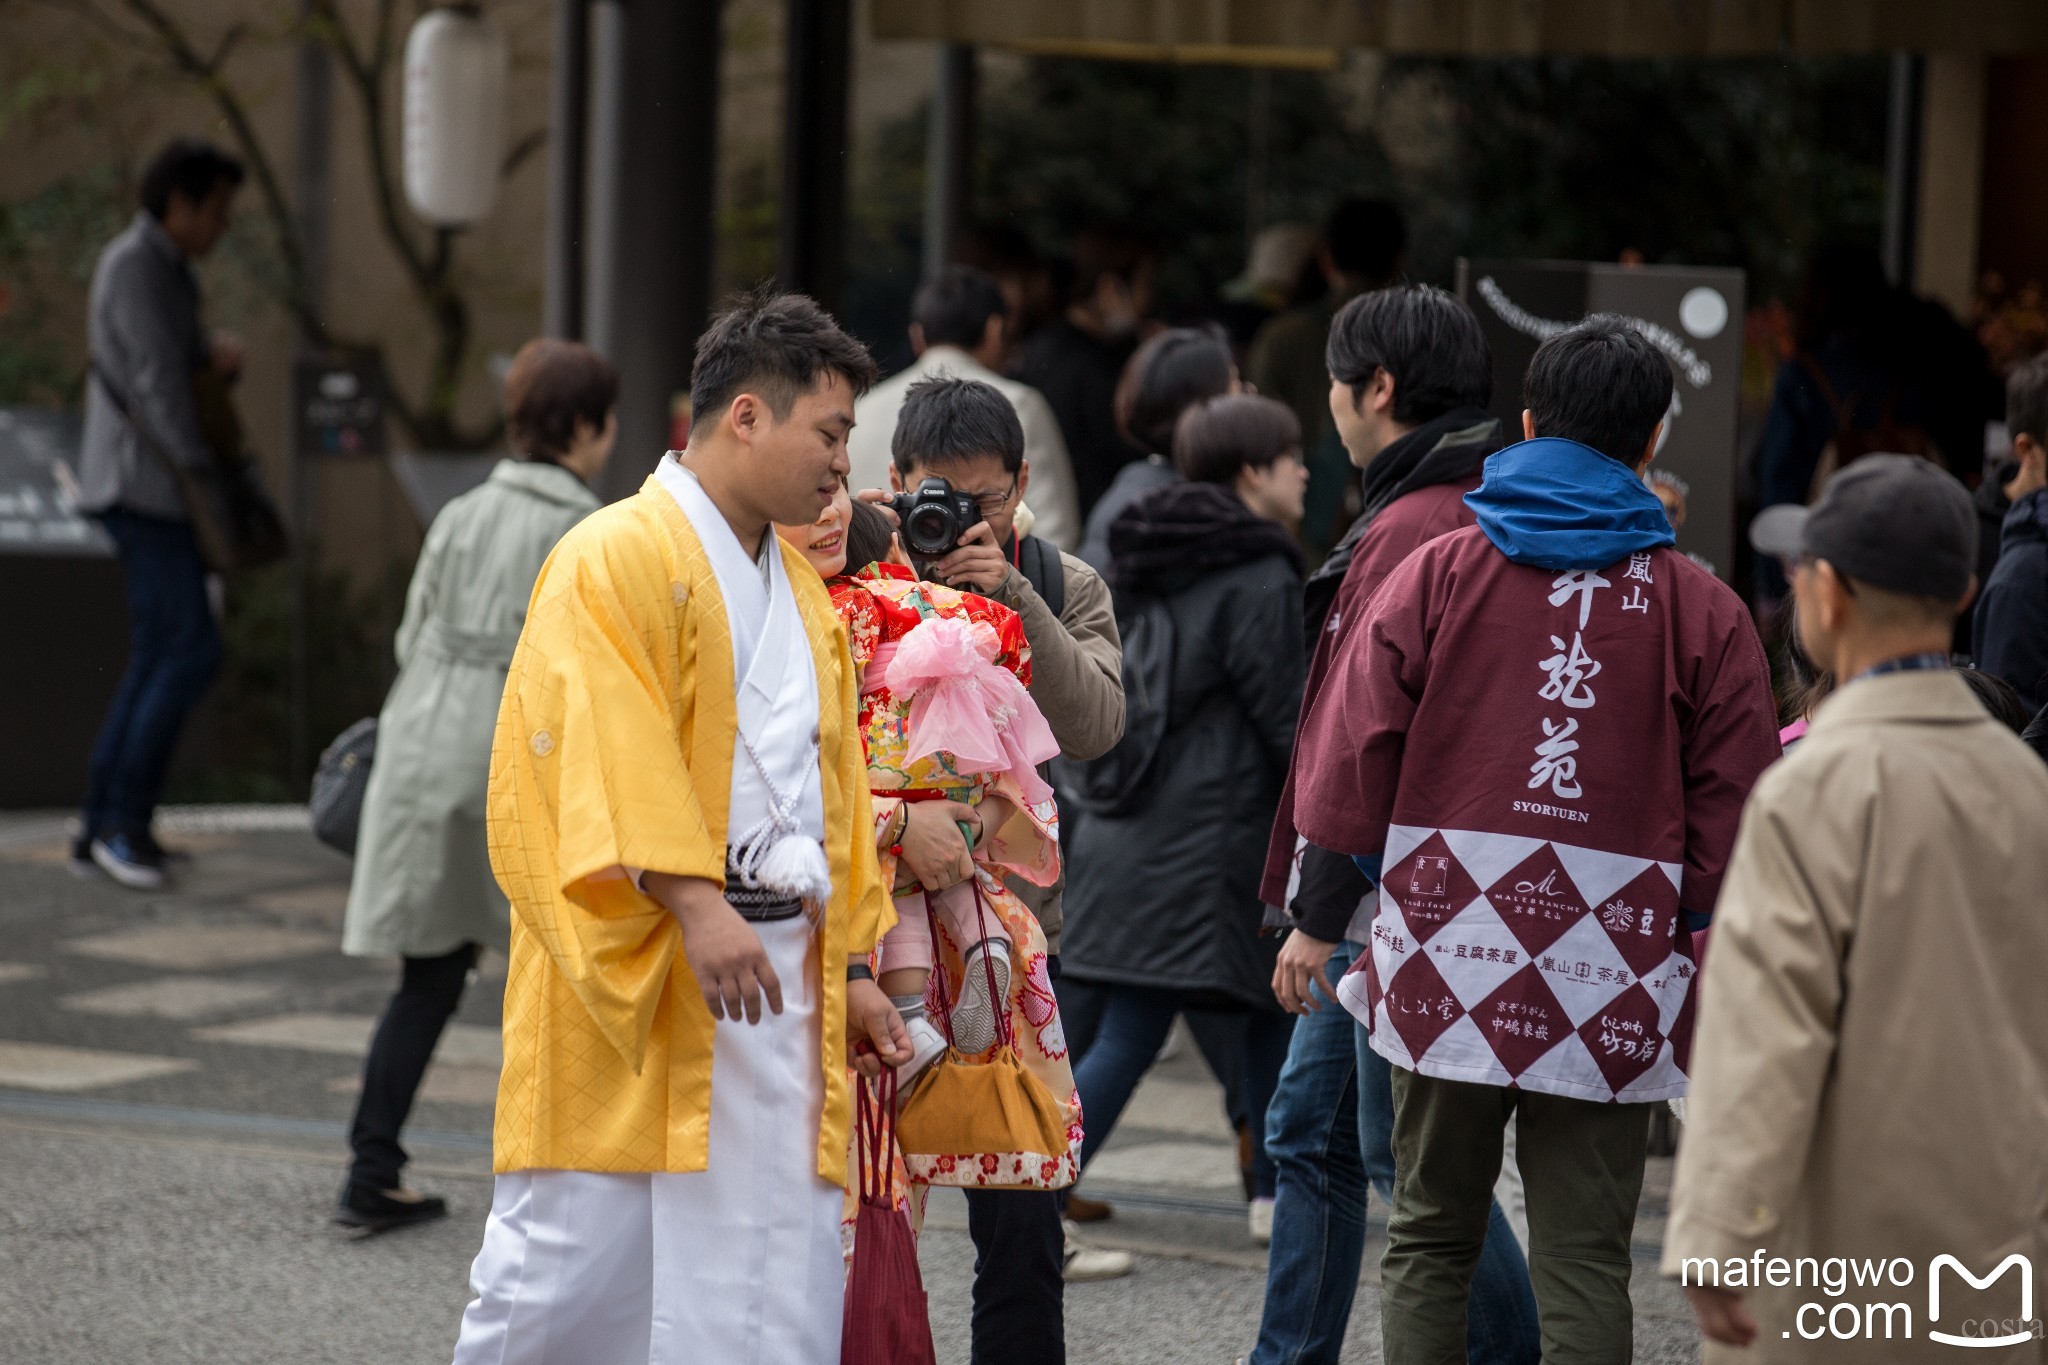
{"x":776,"y":855}
{"x":795,"y":866}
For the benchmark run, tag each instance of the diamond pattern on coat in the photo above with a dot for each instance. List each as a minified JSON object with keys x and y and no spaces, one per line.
{"x":1537,"y":899}
{"x":1623,"y":1036}
{"x":1420,"y":1005}
{"x":1642,"y":919}
{"x":1430,"y":885}
{"x":1475,"y":952}
{"x":1522,"y":1020}
{"x":1584,"y":968}
{"x":1517,"y":961}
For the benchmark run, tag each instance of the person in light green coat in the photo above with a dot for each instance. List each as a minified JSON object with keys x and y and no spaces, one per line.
{"x":422,"y":888}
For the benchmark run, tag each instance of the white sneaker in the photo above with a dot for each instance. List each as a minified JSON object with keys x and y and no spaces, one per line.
{"x":1085,"y":1263}
{"x":1261,"y":1218}
{"x":927,"y":1045}
{"x":974,"y":1013}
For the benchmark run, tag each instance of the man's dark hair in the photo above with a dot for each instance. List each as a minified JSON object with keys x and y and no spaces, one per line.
{"x":1425,"y":338}
{"x":1365,"y":239}
{"x":777,"y":345}
{"x":552,"y":385}
{"x":189,"y":166}
{"x":954,"y":309}
{"x":1220,"y":436}
{"x":2026,"y":401}
{"x":1104,"y":249}
{"x":945,"y":419}
{"x":1166,"y":374}
{"x":1602,"y":384}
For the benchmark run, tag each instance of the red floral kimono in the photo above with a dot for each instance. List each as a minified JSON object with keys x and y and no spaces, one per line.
{"x":880,"y":606}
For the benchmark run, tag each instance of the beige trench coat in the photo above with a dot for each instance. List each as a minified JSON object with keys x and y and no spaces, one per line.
{"x":422,"y":882}
{"x":1870,"y":1077}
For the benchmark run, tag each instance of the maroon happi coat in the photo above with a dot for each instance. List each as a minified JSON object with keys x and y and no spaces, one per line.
{"x":1552,"y":765}
{"x":1403,"y":525}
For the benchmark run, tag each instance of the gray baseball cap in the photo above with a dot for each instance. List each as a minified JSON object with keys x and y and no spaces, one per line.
{"x":1895,"y":522}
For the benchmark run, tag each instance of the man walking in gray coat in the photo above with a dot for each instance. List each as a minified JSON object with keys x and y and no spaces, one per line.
{"x":147,"y":347}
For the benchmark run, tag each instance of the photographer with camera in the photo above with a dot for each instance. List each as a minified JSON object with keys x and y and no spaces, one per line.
{"x":959,"y":476}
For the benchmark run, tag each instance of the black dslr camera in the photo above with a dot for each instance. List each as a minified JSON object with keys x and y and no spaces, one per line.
{"x":933,"y":518}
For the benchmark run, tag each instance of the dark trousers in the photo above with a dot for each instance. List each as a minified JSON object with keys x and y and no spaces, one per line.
{"x":173,"y":653}
{"x":1582,"y":1165}
{"x":1134,"y":1024}
{"x":429,"y":990}
{"x":1019,"y":1277}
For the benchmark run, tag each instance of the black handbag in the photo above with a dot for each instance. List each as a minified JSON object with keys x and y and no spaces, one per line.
{"x":339,"y":781}
{"x":232,"y":516}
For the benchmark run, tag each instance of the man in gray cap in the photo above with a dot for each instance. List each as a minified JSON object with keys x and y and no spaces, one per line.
{"x":1872,"y":1057}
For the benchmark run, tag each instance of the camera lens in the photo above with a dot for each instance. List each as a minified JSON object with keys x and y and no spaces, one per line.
{"x":929,"y":529}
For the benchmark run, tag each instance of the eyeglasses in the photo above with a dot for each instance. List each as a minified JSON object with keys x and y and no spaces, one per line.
{"x":992,"y":504}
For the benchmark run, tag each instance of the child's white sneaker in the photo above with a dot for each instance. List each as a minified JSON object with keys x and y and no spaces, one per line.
{"x":927,"y":1045}
{"x":1260,"y":1217}
{"x":974,"y":1014}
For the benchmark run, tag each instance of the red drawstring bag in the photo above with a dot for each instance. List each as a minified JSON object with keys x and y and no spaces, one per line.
{"x":887,"y":1321}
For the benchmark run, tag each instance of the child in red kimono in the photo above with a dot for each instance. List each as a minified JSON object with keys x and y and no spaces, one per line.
{"x":945,"y":715}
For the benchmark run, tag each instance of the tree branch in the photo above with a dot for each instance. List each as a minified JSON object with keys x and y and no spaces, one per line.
{"x":521,"y":151}
{"x":185,"y":57}
{"x":429,"y":270}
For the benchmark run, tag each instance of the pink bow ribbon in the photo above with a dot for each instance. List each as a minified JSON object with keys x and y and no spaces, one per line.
{"x":964,"y":704}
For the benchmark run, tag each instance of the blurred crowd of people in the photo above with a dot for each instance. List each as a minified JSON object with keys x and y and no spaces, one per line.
{"x":956,"y":732}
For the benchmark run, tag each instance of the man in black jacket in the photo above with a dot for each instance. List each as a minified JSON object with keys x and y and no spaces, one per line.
{"x":1410,"y":376}
{"x":967,"y":433}
{"x":2010,"y":625}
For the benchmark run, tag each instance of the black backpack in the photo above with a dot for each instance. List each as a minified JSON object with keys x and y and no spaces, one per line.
{"x":1115,"y":783}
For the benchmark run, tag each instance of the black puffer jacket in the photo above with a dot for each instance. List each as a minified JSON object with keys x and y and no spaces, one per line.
{"x":1167,"y":894}
{"x":2011,"y":616}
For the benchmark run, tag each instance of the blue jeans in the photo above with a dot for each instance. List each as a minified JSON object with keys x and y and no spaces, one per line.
{"x":1134,"y":1024}
{"x":1330,"y":1132}
{"x":173,"y":653}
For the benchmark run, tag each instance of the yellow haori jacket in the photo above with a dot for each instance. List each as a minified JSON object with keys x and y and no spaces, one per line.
{"x":614,"y":749}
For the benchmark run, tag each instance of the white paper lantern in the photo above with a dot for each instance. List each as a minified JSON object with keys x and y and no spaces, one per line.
{"x":455,"y":65}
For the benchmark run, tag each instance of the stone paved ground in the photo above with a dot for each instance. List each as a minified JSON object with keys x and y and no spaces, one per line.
{"x":175,"y":1071}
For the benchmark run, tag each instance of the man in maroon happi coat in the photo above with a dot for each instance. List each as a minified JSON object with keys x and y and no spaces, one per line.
{"x":1541,"y":734}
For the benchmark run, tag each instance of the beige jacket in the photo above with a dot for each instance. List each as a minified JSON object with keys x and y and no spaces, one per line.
{"x":1077,"y":680}
{"x":1870,"y":1078}
{"x":1054,"y":503}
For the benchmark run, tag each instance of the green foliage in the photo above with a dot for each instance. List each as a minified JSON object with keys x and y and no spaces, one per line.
{"x":48,"y":241}
{"x":1167,"y":149}
{"x":1746,"y":162}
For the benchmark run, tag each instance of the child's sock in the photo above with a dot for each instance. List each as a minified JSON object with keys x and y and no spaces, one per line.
{"x":909,"y":1006}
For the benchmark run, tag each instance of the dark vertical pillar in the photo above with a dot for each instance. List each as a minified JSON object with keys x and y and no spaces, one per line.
{"x":811,"y":255}
{"x":949,"y":156}
{"x":562,"y":284}
{"x":312,"y":196}
{"x":1902,"y":166}
{"x":653,"y":158}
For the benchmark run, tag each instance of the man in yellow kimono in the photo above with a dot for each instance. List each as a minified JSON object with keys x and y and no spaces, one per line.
{"x":679,"y":815}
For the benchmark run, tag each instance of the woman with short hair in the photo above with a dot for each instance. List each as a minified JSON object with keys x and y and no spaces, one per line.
{"x":1163,"y":907}
{"x":422,"y":888}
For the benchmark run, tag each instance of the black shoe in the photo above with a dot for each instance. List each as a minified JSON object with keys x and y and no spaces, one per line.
{"x":147,"y":842}
{"x":375,"y":1211}
{"x":82,"y":865}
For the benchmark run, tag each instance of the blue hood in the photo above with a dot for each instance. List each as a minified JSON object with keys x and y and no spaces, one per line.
{"x":1557,"y":504}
